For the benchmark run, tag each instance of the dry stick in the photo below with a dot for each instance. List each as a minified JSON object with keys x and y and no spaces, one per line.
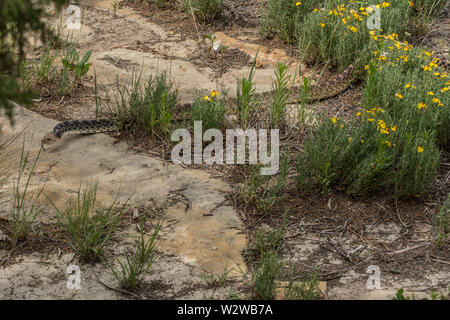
{"x":195,"y":21}
{"x":339,"y":249}
{"x":398,"y":215}
{"x":411,"y":248}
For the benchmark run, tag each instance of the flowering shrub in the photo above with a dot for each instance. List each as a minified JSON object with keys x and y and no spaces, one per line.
{"x":337,"y":31}
{"x":210,"y":110}
{"x":367,"y":155}
{"x":393,"y":143}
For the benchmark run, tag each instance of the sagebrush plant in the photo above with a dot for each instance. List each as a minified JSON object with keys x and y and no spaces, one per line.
{"x":210,"y":110}
{"x":89,"y":227}
{"x":206,"y":10}
{"x":134,"y":268}
{"x":148,"y":104}
{"x":265,"y":274}
{"x":245,"y":96}
{"x":25,"y":206}
{"x":264,"y":191}
{"x":441,"y":221}
{"x":280,"y":95}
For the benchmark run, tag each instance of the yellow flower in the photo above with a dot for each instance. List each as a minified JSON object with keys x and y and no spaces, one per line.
{"x":411,"y":3}
{"x":344,"y":21}
{"x":385,"y":4}
{"x":431,"y":93}
{"x":350,"y":139}
{"x":394,"y":128}
{"x":384,"y":131}
{"x":399,"y":95}
{"x":436,"y":100}
{"x":362,"y":140}
{"x":444,"y":89}
{"x":315,"y":10}
{"x":298,"y":3}
{"x":419,"y":149}
{"x":353,"y":29}
{"x":207,"y":98}
{"x":381,"y":124}
{"x":409,"y":85}
{"x":334,"y":119}
{"x":388,"y":143}
{"x":371,"y":119}
{"x":427,"y":68}
{"x":427,"y":53}
{"x":366,"y":67}
{"x":214,"y":93}
{"x":358,"y":114}
{"x":322,"y":24}
{"x":422,"y":105}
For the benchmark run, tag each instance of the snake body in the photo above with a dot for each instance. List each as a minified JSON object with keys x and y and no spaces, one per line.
{"x":325,"y":89}
{"x":85,"y":126}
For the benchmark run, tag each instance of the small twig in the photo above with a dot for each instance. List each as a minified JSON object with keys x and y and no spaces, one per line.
{"x":398,"y":215}
{"x":411,"y":248}
{"x":339,"y":249}
{"x":195,"y":21}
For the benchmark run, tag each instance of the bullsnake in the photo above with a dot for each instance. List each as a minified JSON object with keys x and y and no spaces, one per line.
{"x":325,"y":89}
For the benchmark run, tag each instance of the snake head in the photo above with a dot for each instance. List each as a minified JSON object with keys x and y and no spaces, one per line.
{"x":49,"y":138}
